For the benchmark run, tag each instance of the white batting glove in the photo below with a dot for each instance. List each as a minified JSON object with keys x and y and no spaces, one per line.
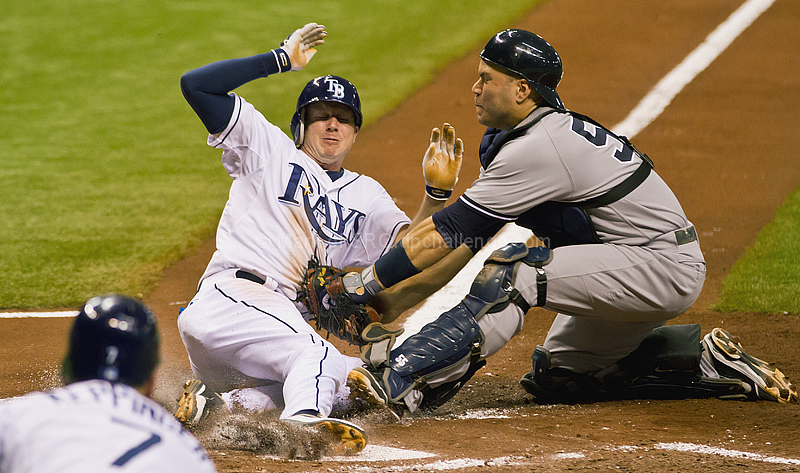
{"x":299,"y":46}
{"x":442,"y":162}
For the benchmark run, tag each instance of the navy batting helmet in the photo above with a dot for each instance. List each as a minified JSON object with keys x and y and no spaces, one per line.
{"x":114,"y":338}
{"x":529,"y":56}
{"x":325,"y":89}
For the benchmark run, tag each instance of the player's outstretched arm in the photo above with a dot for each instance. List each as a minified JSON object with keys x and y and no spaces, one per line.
{"x":441,"y":166}
{"x":206,"y":88}
{"x":392,"y":302}
{"x":420,"y":245}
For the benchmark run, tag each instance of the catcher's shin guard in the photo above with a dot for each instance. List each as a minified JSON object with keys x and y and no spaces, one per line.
{"x":435,"y":397}
{"x":558,"y":385}
{"x":666,"y":365}
{"x":446,"y":343}
{"x":446,"y":353}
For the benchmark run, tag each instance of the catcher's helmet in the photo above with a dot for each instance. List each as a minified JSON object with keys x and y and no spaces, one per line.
{"x":529,"y":56}
{"x":114,"y":338}
{"x":325,"y":89}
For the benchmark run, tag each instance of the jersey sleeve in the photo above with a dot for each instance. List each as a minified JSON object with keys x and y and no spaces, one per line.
{"x":463,"y":222}
{"x":249,"y":140}
{"x":518,"y":179}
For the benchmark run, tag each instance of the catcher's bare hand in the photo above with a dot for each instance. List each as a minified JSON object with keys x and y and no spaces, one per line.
{"x":300,"y":44}
{"x":442,"y":162}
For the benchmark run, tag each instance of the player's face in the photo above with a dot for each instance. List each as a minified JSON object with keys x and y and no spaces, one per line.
{"x":330,"y":133}
{"x":496,"y":97}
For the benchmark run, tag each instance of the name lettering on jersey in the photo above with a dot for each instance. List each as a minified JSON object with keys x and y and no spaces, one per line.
{"x":331,"y":221}
{"x":335,"y":88}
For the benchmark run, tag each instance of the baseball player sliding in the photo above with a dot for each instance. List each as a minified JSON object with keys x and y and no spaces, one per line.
{"x":291,"y":202}
{"x":621,"y":259}
{"x":101,"y":420}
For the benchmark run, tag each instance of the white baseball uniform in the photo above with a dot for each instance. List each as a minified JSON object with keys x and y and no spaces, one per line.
{"x":94,"y":426}
{"x":283,"y":210}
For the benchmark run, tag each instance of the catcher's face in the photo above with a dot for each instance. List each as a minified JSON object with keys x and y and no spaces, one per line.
{"x":330,"y":132}
{"x":499,"y":97}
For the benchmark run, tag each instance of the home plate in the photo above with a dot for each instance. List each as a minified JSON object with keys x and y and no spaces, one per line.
{"x":383,"y":453}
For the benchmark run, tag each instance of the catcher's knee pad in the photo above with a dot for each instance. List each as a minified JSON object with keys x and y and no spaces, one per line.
{"x":500,"y":272}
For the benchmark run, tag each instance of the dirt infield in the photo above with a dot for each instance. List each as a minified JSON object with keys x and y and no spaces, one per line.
{"x":725,"y":145}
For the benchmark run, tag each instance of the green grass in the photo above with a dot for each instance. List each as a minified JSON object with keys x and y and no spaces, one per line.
{"x":106,"y":177}
{"x":767,"y":277}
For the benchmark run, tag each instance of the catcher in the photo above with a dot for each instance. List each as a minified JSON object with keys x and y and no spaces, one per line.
{"x":291,"y":202}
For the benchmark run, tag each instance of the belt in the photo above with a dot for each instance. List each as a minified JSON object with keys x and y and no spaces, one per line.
{"x":242,"y":274}
{"x":682,"y":236}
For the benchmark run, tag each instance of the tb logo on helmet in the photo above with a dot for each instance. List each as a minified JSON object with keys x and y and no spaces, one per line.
{"x":335,"y":88}
{"x":325,"y":89}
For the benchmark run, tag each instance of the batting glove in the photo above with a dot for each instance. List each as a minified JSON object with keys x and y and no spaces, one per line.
{"x":442,"y":162}
{"x":299,"y":46}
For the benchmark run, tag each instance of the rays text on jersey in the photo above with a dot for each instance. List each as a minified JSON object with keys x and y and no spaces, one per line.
{"x":331,"y":221}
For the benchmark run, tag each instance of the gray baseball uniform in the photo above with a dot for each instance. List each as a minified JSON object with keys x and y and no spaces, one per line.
{"x":620,"y":259}
{"x":646,"y":268}
{"x":624,"y":259}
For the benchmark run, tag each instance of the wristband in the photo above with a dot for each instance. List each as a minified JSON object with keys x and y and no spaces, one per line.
{"x":437,"y":194}
{"x":282,"y":60}
{"x":394,"y":266}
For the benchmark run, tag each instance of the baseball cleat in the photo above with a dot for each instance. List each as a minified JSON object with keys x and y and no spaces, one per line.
{"x":350,"y":438}
{"x":366,"y":387}
{"x":195,"y":402}
{"x":731,"y":361}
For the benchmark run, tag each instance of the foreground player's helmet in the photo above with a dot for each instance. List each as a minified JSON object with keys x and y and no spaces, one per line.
{"x":114,"y":338}
{"x":325,"y":89}
{"x":529,"y":56}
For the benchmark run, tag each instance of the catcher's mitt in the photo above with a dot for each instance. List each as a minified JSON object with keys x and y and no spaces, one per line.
{"x":332,"y":309}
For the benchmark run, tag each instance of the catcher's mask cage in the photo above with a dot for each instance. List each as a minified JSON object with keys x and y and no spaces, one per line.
{"x":324,"y":89}
{"x":528,"y":55}
{"x":115,"y":338}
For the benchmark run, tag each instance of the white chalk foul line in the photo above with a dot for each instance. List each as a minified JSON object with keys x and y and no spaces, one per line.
{"x":379,"y":453}
{"x":706,"y":450}
{"x":21,"y":315}
{"x":662,"y":94}
{"x":648,"y":109}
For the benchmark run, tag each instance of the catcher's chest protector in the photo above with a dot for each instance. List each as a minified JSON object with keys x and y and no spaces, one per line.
{"x":565,"y":223}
